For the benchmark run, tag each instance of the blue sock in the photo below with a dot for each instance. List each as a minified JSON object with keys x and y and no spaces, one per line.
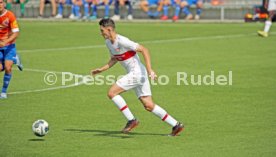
{"x":166,"y":10}
{"x":86,"y":9}
{"x":94,"y":8}
{"x":129,"y":8}
{"x":72,"y":9}
{"x":106,"y":10}
{"x":6,"y":82}
{"x":198,"y":11}
{"x":116,"y":9}
{"x":77,"y":10}
{"x":60,"y":8}
{"x":177,"y":10}
{"x":186,"y":11}
{"x":150,"y":13}
{"x":156,"y":13}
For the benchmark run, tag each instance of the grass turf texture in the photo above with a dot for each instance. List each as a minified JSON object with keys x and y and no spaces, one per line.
{"x":236,"y":120}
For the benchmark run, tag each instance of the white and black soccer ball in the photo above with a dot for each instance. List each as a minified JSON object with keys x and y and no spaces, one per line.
{"x":40,"y":127}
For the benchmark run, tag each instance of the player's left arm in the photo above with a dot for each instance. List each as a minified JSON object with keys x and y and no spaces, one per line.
{"x":12,"y":37}
{"x":145,"y":52}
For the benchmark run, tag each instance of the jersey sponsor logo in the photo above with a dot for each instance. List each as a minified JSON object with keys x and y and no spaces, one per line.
{"x":4,"y":24}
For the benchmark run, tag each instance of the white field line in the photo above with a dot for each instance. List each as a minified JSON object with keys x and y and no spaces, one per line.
{"x":45,"y":89}
{"x":144,"y":42}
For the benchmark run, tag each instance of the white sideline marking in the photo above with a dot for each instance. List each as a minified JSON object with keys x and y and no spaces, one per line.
{"x":45,"y":89}
{"x":196,"y":38}
{"x":64,"y":48}
{"x":145,"y":42}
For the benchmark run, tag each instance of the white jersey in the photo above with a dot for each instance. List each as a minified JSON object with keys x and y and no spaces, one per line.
{"x":271,"y":5}
{"x":124,"y":50}
{"x":136,"y":78}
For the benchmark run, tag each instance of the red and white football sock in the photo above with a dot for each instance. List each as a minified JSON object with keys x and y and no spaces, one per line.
{"x":160,"y":112}
{"x":121,"y":104}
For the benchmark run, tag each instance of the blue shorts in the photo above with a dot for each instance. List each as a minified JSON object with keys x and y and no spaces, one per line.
{"x":68,"y":2}
{"x":8,"y":53}
{"x":99,"y":2}
{"x":153,"y":2}
{"x":109,"y":2}
{"x":173,"y":3}
{"x":193,"y":2}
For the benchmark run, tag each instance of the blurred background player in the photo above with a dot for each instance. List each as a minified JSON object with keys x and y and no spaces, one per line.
{"x":22,"y":5}
{"x":61,"y":4}
{"x":94,"y":7}
{"x":166,"y":4}
{"x":76,"y":9}
{"x":125,"y":51}
{"x":42,"y":7}
{"x":8,"y":33}
{"x":87,"y":7}
{"x":271,"y":7}
{"x":186,"y":5}
{"x":145,"y":4}
{"x":177,"y":9}
{"x":119,"y":6}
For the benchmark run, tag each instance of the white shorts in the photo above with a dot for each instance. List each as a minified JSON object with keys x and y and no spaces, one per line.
{"x":139,"y":83}
{"x":271,"y":5}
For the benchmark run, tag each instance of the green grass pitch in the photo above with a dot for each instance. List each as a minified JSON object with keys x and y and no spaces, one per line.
{"x":237,"y":120}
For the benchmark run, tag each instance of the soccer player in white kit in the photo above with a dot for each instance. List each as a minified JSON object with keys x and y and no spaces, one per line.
{"x":125,"y":51}
{"x":271,"y":7}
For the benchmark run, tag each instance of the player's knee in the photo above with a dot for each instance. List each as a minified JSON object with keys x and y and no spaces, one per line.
{"x":199,"y":5}
{"x":8,"y":70}
{"x":111,"y":94}
{"x":122,"y":2}
{"x":184,"y":4}
{"x":149,"y":106}
{"x":177,"y":1}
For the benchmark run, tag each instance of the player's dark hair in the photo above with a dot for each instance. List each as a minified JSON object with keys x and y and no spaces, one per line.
{"x":107,"y":23}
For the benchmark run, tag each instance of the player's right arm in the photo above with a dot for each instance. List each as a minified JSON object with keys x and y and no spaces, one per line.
{"x":110,"y":63}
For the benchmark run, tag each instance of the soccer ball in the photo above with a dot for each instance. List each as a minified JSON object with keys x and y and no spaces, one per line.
{"x":40,"y":127}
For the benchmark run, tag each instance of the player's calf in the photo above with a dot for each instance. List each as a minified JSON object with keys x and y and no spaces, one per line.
{"x":2,"y":67}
